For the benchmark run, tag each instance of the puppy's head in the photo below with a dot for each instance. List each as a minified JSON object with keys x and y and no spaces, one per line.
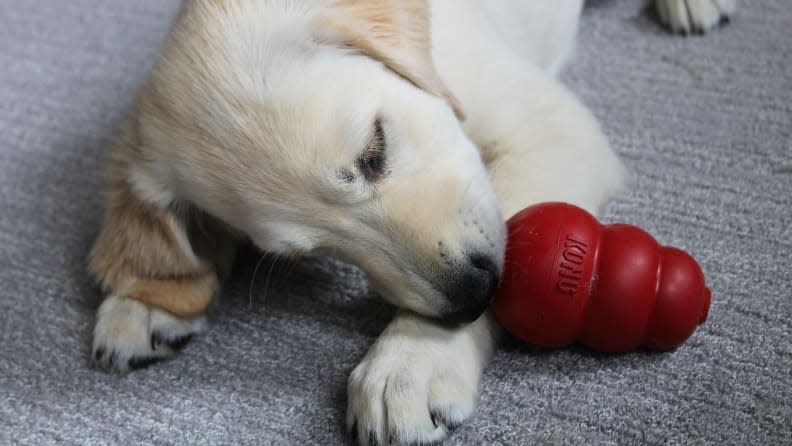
{"x":327,"y":130}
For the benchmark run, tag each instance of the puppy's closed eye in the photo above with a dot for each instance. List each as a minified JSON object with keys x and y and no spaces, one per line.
{"x":371,"y":163}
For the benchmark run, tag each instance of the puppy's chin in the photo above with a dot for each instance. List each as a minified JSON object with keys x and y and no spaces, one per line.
{"x":408,"y":291}
{"x":285,"y":239}
{"x":435,"y":308}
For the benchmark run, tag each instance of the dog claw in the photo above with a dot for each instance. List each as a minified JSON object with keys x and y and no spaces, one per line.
{"x":178,"y":343}
{"x":155,"y":341}
{"x":175,"y":344}
{"x":434,"y":420}
{"x":142,"y":363}
{"x":353,"y":432}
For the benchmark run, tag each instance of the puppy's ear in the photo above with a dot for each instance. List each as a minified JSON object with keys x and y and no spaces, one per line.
{"x":397,"y":33}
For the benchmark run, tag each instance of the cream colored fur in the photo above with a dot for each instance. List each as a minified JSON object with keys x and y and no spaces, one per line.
{"x":686,"y":16}
{"x":254,"y":124}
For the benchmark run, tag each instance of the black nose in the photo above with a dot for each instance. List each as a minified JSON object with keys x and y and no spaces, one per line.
{"x":469,"y":294}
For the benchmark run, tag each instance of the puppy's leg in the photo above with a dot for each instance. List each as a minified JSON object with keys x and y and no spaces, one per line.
{"x":418,"y":381}
{"x":685,"y":16}
{"x":542,"y":144}
{"x":151,"y":259}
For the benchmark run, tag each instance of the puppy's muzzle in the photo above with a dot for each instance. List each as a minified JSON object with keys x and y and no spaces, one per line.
{"x":470,"y":292}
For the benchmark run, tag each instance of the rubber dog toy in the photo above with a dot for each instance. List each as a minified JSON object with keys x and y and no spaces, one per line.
{"x":612,"y":288}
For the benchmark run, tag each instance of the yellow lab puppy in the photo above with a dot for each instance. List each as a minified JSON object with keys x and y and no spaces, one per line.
{"x":398,"y":135}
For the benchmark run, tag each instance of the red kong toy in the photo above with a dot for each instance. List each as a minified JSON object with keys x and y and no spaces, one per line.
{"x":613,"y":288}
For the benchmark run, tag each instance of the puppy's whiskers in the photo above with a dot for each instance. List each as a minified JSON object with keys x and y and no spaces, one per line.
{"x":253,"y":280}
{"x":267,"y":281}
{"x":480,"y":198}
{"x":289,"y":258}
{"x":469,"y":185}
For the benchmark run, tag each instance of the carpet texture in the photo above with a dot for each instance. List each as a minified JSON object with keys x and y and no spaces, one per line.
{"x":703,"y":123}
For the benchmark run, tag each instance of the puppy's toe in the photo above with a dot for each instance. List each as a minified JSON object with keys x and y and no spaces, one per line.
{"x":408,"y":398}
{"x":130,"y":335}
{"x":452,"y":399}
{"x":694,"y":16}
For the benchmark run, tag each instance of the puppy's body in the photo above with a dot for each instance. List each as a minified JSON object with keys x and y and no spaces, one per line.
{"x":330,"y":126}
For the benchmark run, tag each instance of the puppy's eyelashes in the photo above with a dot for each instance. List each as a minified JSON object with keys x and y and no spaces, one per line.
{"x":371,"y":163}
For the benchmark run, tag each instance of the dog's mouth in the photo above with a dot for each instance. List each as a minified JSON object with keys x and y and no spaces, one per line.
{"x":448,"y":287}
{"x":411,"y":291}
{"x":396,"y":282}
{"x":461,"y":300}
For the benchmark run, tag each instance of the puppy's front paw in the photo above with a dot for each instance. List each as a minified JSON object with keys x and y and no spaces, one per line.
{"x":411,"y":391}
{"x":686,"y":16}
{"x":129,"y":335}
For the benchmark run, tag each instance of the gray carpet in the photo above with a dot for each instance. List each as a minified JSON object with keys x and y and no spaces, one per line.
{"x":704,"y":123}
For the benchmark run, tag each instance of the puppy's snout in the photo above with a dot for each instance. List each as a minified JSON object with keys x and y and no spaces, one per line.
{"x":470,"y":294}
